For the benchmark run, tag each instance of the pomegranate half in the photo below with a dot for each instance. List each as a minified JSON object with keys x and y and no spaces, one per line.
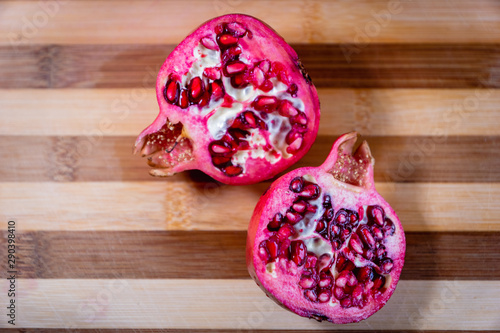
{"x":235,"y":102}
{"x":323,"y":243}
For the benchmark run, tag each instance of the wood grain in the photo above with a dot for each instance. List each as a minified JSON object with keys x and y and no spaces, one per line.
{"x":153,"y":22}
{"x":184,"y":255}
{"x":230,"y":304}
{"x":374,"y":66}
{"x":455,"y":159}
{"x":375,"y":112}
{"x":188,"y":205}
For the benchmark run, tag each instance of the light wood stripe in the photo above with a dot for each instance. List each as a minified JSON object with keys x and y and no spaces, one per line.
{"x":192,"y":205}
{"x":298,"y":21}
{"x":230,"y":304}
{"x":456,"y":159}
{"x":184,"y":255}
{"x":82,"y":112}
{"x":374,"y":66}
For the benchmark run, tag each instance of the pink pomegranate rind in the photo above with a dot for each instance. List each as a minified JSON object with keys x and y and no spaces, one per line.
{"x":235,"y":102}
{"x":323,"y":243}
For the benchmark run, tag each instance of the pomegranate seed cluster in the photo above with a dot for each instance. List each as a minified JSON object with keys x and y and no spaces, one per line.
{"x":341,"y":254}
{"x":252,"y":128}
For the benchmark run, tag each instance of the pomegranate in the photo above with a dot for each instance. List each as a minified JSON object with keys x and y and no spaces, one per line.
{"x":323,"y":243}
{"x":235,"y":102}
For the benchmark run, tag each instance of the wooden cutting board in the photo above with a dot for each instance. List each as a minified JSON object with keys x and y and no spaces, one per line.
{"x":102,"y":245}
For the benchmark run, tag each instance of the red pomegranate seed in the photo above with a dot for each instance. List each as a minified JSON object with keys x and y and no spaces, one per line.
{"x":183,"y":99}
{"x":325,"y":281}
{"x":209,"y":43}
{"x":346,"y":303}
{"x":294,"y":146}
{"x":298,"y":252}
{"x":296,"y":184}
{"x":310,"y":191}
{"x":368,"y":254}
{"x":219,"y":148}
{"x":355,"y":244}
{"x":311,"y":208}
{"x":324,"y":296}
{"x":172,"y":91}
{"x":204,"y":99}
{"x":329,"y":213}
{"x":250,"y":119}
{"x":239,"y":80}
{"x":336,"y":243}
{"x":285,"y":231}
{"x":320,"y":226}
{"x":265,"y":103}
{"x":375,"y":214}
{"x":267,"y":86}
{"x":367,"y":237}
{"x":275,"y":223}
{"x":299,"y":119}
{"x":227,"y":40}
{"x":339,"y":293}
{"x":307,"y":282}
{"x":311,"y":260}
{"x":235,"y":67}
{"x":365,"y":274}
{"x":236,"y":29}
{"x":220,"y":160}
{"x":272,"y":247}
{"x":353,"y":218}
{"x":292,"y":90}
{"x":233,"y":170}
{"x":377,"y":233}
{"x":381,"y":251}
{"x":389,"y":227}
{"x":311,"y":295}
{"x":343,"y":278}
{"x":293,"y":217}
{"x":263,"y":253}
{"x":334,"y":230}
{"x":378,"y":282}
{"x":258,"y":77}
{"x":357,"y":295}
{"x":286,"y":109}
{"x":351,"y":279}
{"x":265,"y":66}
{"x":341,"y":217}
{"x":386,"y":265}
{"x":299,"y":206}
{"x":217,"y":90}
{"x":213,"y":73}
{"x":324,"y":262}
{"x":345,"y":233}
{"x":196,"y":89}
{"x":219,"y":29}
{"x":231,"y":54}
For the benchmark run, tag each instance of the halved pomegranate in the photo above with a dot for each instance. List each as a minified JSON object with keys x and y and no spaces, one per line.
{"x":235,"y":102}
{"x":323,"y":243}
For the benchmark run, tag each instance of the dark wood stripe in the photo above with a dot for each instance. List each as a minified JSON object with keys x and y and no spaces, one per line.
{"x":369,"y":65}
{"x":221,"y":255}
{"x":398,"y":159}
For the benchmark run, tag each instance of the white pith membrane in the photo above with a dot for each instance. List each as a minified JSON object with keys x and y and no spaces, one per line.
{"x":285,"y":269}
{"x":265,"y":142}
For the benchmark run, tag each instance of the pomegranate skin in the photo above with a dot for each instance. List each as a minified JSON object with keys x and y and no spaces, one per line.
{"x":191,"y":121}
{"x":282,"y":279}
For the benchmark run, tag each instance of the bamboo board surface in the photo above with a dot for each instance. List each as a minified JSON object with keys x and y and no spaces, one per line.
{"x":102,"y":245}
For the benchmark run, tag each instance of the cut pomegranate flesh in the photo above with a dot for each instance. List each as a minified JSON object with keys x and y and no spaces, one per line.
{"x":323,"y":243}
{"x":239,"y":100}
